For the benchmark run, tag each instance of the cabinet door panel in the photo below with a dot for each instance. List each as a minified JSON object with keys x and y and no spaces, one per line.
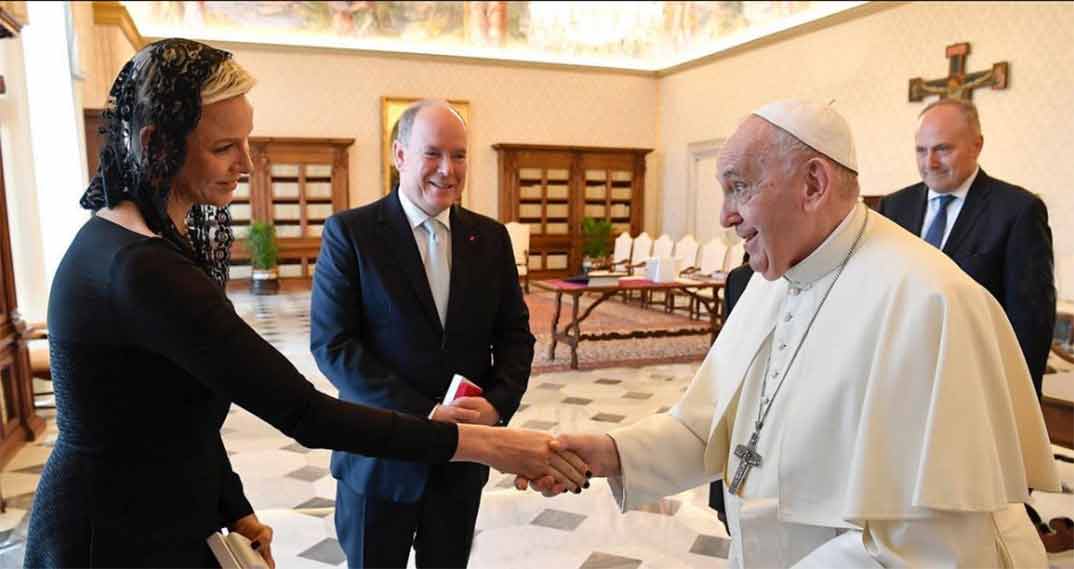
{"x":297,"y":183}
{"x":552,"y":189}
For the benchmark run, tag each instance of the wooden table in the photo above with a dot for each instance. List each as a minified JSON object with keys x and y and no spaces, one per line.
{"x":1064,"y":315}
{"x":1057,"y":402}
{"x":572,"y":335}
{"x":1057,"y":405}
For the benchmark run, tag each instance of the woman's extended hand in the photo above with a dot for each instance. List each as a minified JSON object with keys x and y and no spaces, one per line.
{"x":529,"y":454}
{"x":598,"y":451}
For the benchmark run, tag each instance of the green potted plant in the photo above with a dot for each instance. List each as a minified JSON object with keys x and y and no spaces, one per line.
{"x":596,"y":244}
{"x":264,"y":256}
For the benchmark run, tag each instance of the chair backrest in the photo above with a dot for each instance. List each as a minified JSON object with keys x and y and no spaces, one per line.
{"x":734,"y":256}
{"x":712,"y":256}
{"x":520,"y":241}
{"x":643,"y":248}
{"x":686,"y":250}
{"x":663,"y":246}
{"x":623,"y":244}
{"x":1064,"y":277}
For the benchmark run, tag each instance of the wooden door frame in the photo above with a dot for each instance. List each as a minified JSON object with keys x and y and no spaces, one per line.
{"x":696,"y":152}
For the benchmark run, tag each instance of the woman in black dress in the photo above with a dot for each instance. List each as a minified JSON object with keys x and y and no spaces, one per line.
{"x":148,"y":353}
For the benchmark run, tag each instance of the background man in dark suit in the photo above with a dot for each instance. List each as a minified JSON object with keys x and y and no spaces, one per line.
{"x":408,"y":291}
{"x":736,"y":283}
{"x":997,"y":232}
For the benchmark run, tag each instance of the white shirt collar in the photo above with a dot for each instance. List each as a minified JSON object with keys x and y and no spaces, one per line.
{"x":962,"y":190}
{"x":826,"y":257}
{"x":415,"y":216}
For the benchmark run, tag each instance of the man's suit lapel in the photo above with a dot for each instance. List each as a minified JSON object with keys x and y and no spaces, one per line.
{"x":464,"y":243}
{"x":398,"y":238}
{"x":916,"y":215}
{"x":976,"y":200}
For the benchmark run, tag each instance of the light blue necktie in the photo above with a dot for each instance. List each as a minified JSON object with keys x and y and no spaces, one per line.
{"x":437,"y":267}
{"x":939,"y":223}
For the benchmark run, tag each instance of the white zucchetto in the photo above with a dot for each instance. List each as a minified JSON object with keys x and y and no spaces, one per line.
{"x":816,"y":125}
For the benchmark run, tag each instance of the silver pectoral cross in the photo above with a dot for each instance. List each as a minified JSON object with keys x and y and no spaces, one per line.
{"x":749,"y":457}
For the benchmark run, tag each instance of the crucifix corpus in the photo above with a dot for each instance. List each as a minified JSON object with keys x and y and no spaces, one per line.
{"x":958,"y":84}
{"x":750,"y":457}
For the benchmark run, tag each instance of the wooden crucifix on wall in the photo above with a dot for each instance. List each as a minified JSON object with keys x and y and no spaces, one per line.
{"x":958,"y":84}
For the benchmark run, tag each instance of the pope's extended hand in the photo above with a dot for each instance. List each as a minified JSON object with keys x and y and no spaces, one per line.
{"x":598,"y":451}
{"x":529,"y":454}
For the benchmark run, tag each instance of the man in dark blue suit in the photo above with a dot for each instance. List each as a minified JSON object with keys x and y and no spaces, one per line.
{"x":733,"y":288}
{"x":996,"y":232}
{"x":408,"y":291}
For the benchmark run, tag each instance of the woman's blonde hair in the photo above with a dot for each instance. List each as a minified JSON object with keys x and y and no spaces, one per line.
{"x":228,"y":80}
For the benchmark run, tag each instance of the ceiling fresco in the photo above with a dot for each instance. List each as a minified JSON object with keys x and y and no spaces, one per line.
{"x":648,"y":36}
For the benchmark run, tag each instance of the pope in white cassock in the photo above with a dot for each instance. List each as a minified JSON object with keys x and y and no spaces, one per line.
{"x":866,"y":404}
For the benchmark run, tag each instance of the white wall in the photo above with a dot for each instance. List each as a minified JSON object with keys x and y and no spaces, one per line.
{"x":20,"y":187}
{"x":863,"y":62}
{"x":865,"y":65}
{"x":102,"y":51}
{"x":337,"y":94}
{"x":43,"y":213}
{"x":57,"y":135}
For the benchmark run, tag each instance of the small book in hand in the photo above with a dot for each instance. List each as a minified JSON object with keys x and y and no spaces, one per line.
{"x":233,"y":551}
{"x":461,"y":387}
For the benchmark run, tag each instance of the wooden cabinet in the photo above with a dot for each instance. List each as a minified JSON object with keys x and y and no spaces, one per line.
{"x":18,"y":421}
{"x":552,"y":188}
{"x":93,"y":122}
{"x":296,"y":184}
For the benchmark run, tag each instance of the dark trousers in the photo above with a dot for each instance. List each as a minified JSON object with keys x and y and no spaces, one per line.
{"x":716,"y":503}
{"x":377,"y":533}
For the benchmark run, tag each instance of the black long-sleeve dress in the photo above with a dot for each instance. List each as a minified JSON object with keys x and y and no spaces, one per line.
{"x":147,"y":355}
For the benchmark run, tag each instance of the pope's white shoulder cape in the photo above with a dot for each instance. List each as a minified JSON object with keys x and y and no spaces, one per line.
{"x":910,"y":394}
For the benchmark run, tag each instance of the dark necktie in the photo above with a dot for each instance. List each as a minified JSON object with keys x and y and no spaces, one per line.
{"x":939,"y":223}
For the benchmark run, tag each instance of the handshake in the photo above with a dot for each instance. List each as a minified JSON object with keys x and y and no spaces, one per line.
{"x":551,"y":465}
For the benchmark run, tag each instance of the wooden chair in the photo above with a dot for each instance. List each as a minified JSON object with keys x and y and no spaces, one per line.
{"x":520,"y":245}
{"x":686,"y":252}
{"x":662,"y":247}
{"x":642,"y":250}
{"x":620,"y":253}
{"x":37,"y":346}
{"x":1064,"y":277}
{"x":1057,"y":403}
{"x":1057,"y":406}
{"x":734,"y":256}
{"x":1063,"y":347}
{"x":713,"y":259}
{"x":1063,"y":342}
{"x":1063,"y":352}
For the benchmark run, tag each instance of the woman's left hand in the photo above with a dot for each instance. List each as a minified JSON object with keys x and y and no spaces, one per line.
{"x":259,"y":534}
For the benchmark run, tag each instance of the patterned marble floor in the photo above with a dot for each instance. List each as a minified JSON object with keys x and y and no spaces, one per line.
{"x":292,"y":490}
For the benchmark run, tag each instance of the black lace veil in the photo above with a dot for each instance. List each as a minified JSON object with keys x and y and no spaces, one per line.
{"x":161,"y":86}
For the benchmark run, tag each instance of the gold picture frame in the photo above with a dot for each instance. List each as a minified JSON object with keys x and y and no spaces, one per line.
{"x":391,"y":108}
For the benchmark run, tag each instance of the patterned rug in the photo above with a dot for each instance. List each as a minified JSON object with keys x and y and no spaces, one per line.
{"x":612,"y":316}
